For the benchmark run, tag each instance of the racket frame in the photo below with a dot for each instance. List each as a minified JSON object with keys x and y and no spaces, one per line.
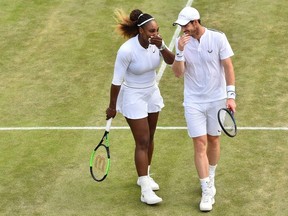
{"x":231,"y":114}
{"x":106,"y":145}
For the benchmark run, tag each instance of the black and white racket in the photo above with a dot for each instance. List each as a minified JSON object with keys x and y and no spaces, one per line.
{"x":227,"y":122}
{"x":100,"y":157}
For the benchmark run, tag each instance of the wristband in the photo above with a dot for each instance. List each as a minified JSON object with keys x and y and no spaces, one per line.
{"x":163,"y":46}
{"x":231,"y":92}
{"x":179,"y":56}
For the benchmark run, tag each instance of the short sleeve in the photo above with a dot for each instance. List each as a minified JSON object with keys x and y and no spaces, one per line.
{"x":225,"y":48}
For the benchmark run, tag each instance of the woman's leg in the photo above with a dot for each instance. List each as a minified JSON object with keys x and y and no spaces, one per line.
{"x":152,"y":122}
{"x":141,"y":134}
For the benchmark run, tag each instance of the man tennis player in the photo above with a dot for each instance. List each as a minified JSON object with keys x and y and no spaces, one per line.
{"x":203,"y":56}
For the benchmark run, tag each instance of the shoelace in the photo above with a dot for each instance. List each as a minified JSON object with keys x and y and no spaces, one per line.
{"x":206,"y":197}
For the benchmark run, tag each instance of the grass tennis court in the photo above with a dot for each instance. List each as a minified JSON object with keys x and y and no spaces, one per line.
{"x":56,"y":67}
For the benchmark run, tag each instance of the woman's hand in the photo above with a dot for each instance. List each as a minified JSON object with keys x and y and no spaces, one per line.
{"x":156,"y":40}
{"x":110,"y":113}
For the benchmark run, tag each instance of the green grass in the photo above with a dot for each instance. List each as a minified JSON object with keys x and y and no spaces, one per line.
{"x":56,"y":67}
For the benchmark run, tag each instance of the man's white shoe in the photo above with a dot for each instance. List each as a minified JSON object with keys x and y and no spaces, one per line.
{"x":154,"y":186}
{"x":150,"y":197}
{"x":213,"y":188}
{"x":207,"y":200}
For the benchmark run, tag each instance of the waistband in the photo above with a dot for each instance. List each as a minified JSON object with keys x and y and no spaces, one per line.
{"x":140,"y":86}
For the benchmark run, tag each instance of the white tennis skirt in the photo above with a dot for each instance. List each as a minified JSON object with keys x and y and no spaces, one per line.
{"x":136,"y":103}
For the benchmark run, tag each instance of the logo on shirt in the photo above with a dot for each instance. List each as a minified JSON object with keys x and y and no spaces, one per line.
{"x":210,"y":51}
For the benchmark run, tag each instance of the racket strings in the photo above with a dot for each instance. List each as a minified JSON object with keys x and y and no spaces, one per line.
{"x":227,"y":122}
{"x":100,"y":157}
{"x":100,"y":162}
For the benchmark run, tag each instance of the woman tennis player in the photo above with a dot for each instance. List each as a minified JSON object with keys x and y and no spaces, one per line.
{"x":134,"y":91}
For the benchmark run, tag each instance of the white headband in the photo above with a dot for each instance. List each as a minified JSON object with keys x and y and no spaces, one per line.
{"x":145,"y":22}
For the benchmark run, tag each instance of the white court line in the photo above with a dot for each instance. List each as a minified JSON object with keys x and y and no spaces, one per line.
{"x":127,"y":128}
{"x":171,"y":47}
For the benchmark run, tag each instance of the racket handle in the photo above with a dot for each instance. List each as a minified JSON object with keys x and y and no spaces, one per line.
{"x":108,"y":124}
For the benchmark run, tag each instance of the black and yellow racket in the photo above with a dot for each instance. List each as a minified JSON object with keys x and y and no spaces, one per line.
{"x":100,"y":157}
{"x":227,"y":122}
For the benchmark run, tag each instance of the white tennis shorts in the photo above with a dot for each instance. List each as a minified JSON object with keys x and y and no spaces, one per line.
{"x":136,"y":103}
{"x":202,"y":118}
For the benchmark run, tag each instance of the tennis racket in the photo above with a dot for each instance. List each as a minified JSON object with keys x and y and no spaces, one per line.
{"x":227,"y":122}
{"x":100,"y":157}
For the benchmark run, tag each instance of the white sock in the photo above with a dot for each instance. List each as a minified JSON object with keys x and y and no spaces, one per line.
{"x":212,"y":170}
{"x":148,"y":173}
{"x":204,"y":183}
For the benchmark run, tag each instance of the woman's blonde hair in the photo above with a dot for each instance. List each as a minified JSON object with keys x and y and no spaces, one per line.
{"x":128,"y":26}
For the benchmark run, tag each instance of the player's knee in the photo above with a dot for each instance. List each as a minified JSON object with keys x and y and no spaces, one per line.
{"x":142,"y":143}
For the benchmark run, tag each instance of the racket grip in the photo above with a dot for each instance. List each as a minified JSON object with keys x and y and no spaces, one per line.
{"x":108,"y":124}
